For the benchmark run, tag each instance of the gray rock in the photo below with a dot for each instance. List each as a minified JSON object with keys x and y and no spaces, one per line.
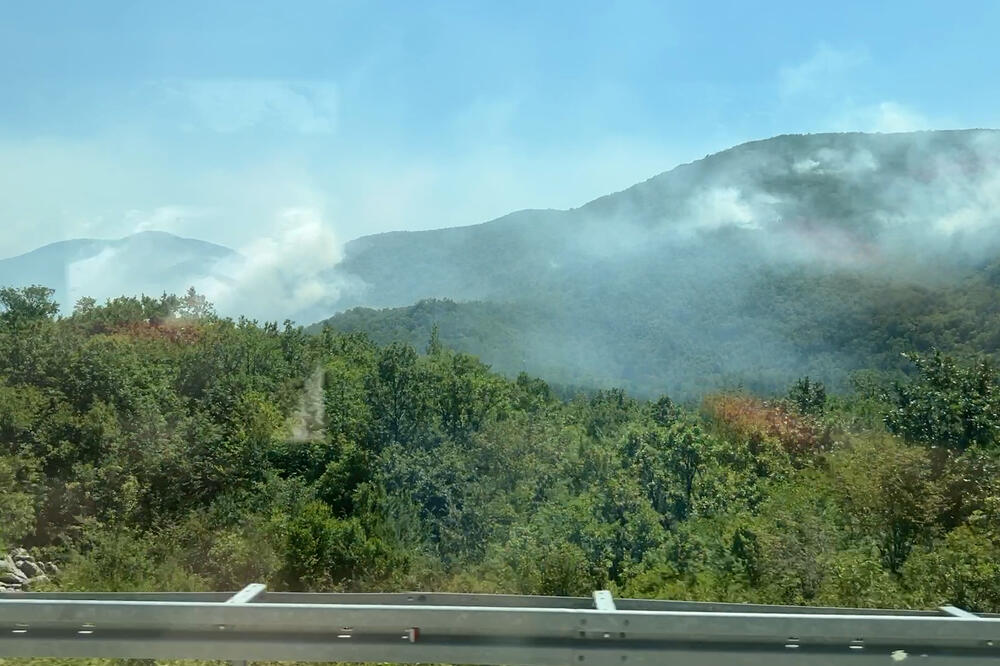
{"x":20,"y":554}
{"x":36,"y":581}
{"x":13,"y":578}
{"x":29,"y":568}
{"x":52,"y":568}
{"x":7,"y":565}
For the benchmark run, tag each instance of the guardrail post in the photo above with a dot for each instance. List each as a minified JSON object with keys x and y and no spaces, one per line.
{"x":603,"y":600}
{"x":954,"y":611}
{"x":602,"y":633}
{"x":245,"y":596}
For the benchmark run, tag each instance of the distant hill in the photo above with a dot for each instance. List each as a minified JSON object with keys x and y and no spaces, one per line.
{"x":150,"y":262}
{"x":801,"y":254}
{"x":839,"y":200}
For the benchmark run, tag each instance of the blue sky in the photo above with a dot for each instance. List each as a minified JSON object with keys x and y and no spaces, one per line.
{"x":215,"y":119}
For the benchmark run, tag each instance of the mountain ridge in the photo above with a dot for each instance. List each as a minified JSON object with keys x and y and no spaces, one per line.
{"x":695,"y":278}
{"x":660,"y":284}
{"x":139,"y":235}
{"x":148,"y":262}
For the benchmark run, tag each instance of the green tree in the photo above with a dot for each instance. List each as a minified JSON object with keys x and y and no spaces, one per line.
{"x":400,"y":397}
{"x":808,"y":397}
{"x":963,"y":569}
{"x":468,"y":396}
{"x":24,"y":305}
{"x":19,"y":485}
{"x":948,"y":404}
{"x":123,"y":559}
{"x":342,"y":476}
{"x":668,"y":462}
{"x":434,"y":343}
{"x":889,"y":494}
{"x":665,"y":411}
{"x":194,"y":306}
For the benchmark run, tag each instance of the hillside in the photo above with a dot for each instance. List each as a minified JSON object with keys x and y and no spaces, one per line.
{"x":776,"y":258}
{"x":830,"y":326}
{"x":150,"y":262}
{"x":146,"y":445}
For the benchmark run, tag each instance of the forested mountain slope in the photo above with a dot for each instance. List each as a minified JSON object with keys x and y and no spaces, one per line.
{"x":810,"y":254}
{"x":826,"y":325}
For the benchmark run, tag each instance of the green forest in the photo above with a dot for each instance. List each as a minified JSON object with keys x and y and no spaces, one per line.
{"x":149,"y":444}
{"x":777,"y":325}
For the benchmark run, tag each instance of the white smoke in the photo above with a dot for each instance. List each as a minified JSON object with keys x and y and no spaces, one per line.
{"x":95,"y":277}
{"x":891,"y":205}
{"x":146,"y":263}
{"x":977,"y":210}
{"x":719,"y":207}
{"x":805,"y":165}
{"x":831,"y":161}
{"x":949,"y":206}
{"x":853,"y":163}
{"x":283,"y":274}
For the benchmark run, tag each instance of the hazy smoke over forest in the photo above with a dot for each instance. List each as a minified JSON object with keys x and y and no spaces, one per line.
{"x":687,"y":280}
{"x":681,"y":282}
{"x":283,"y":275}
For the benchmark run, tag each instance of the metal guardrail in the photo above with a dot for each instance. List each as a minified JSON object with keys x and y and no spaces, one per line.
{"x":256,"y":625}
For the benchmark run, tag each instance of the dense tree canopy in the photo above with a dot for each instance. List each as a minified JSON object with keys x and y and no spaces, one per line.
{"x":761,"y":328}
{"x":147,"y":443}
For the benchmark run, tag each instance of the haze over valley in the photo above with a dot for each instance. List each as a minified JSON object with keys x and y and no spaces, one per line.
{"x":773,"y":259}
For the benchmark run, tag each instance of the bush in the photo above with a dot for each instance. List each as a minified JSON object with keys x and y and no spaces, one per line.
{"x":125,"y":560}
{"x":963,"y":570}
{"x":326,"y":552}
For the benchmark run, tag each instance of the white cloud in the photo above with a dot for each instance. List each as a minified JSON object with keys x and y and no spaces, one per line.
{"x":173,"y":219}
{"x":886,"y":116}
{"x":815,"y":74}
{"x":893,"y":117}
{"x":53,"y":189}
{"x":233,"y":105}
{"x":384,"y":191}
{"x":823,"y":86}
